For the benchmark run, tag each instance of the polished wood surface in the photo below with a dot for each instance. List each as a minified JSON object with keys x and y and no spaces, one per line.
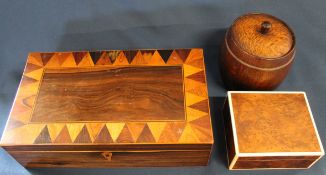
{"x":262,"y":35}
{"x":112,"y":159}
{"x":255,"y":58}
{"x":136,"y":100}
{"x":270,"y":130}
{"x":116,"y":94}
{"x":230,"y":147}
{"x":293,"y":163}
{"x":111,"y":147}
{"x":283,"y":122}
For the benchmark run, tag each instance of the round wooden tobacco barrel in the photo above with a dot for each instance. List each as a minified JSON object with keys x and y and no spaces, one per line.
{"x":257,"y":52}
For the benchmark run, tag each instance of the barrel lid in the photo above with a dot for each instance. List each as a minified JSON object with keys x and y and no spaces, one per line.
{"x":262,"y":35}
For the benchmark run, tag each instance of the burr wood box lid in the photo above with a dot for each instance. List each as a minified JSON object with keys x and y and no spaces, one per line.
{"x":111,"y":102}
{"x":270,"y":130}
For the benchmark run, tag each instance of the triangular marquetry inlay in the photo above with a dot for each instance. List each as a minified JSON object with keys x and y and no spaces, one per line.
{"x":199,"y":76}
{"x":62,"y":57}
{"x":27,"y":80}
{"x":192,"y":99}
{"x":201,"y":106}
{"x":146,"y":136}
{"x":104,"y":59}
{"x":193,"y":114}
{"x":95,"y":56}
{"x":115,"y":129}
{"x":172,"y":132}
{"x":94,"y":129}
{"x":147,"y":55}
{"x":165,"y":54}
{"x":121,"y":59}
{"x":113,"y":55}
{"x":69,"y":61}
{"x":46,"y":57}
{"x":44,"y":136}
{"x":104,"y":136}
{"x":55,"y":129}
{"x":31,"y":67}
{"x":130,"y":55}
{"x":156,"y":59}
{"x":29,"y":101}
{"x":53,"y":61}
{"x":156,"y":128}
{"x":196,"y":58}
{"x":174,"y":58}
{"x":79,"y":56}
{"x":183,"y":53}
{"x":190,"y":70}
{"x":203,"y":122}
{"x":83,"y":136}
{"x":188,"y":135}
{"x":199,"y":89}
{"x":12,"y":124}
{"x":135,"y":129}
{"x":36,"y":74}
{"x":139,"y":59}
{"x":125,"y":136}
{"x":63,"y":136}
{"x":35,"y":58}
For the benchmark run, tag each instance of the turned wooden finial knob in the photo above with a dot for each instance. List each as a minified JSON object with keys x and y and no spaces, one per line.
{"x":265,"y":27}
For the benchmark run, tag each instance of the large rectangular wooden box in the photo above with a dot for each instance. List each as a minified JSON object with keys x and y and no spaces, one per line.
{"x":266,"y":130}
{"x":111,"y":109}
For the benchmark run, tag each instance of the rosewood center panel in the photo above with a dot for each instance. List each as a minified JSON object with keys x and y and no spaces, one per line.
{"x":111,"y":94}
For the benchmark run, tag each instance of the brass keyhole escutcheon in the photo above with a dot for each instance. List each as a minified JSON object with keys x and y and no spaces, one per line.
{"x":107,"y":155}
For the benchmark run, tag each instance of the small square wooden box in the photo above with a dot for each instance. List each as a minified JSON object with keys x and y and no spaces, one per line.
{"x":270,"y":130}
{"x":111,"y":109}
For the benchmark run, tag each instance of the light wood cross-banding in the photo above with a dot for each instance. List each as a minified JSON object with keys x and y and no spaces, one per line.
{"x":109,"y":102}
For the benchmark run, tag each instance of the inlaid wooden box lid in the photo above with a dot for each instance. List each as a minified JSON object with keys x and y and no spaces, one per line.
{"x":271,"y":129}
{"x":148,"y":97}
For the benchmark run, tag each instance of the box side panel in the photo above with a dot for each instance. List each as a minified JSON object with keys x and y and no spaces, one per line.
{"x":276,"y":162}
{"x":111,"y":159}
{"x":228,"y":132}
{"x":104,"y":147}
{"x":278,"y":158}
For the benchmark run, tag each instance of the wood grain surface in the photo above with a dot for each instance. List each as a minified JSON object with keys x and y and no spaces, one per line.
{"x":117,"y":159}
{"x":139,"y":101}
{"x":273,"y":123}
{"x":230,"y":147}
{"x":252,"y":60}
{"x":252,"y":36}
{"x":270,"y":130}
{"x":116,"y":94}
{"x":281,"y":163}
